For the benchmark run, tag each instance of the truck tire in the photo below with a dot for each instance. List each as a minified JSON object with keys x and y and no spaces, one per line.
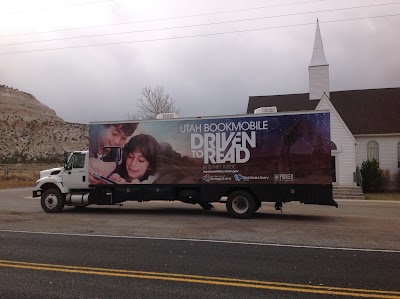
{"x":241,"y":204}
{"x":258,"y":206}
{"x":52,"y":201}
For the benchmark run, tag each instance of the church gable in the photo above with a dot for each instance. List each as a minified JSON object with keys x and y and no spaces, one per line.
{"x":339,"y":131}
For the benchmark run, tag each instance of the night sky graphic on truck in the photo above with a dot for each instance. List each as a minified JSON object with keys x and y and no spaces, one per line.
{"x":256,"y":149}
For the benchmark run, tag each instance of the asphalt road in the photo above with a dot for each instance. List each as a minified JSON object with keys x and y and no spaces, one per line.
{"x":173,"y":250}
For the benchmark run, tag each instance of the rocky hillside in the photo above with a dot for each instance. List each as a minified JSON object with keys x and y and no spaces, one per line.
{"x":32,"y":132}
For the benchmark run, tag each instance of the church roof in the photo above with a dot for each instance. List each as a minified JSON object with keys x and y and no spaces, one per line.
{"x":318,"y":56}
{"x":368,"y":111}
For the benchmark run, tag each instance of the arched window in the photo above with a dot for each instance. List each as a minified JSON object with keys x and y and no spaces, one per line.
{"x":398,"y":155}
{"x":372,"y":151}
{"x":334,"y":147}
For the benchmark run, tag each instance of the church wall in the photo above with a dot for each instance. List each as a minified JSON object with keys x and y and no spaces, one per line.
{"x":346,"y":162}
{"x":388,"y":151}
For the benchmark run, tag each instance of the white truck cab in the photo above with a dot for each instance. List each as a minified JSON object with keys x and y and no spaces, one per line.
{"x":64,"y":185}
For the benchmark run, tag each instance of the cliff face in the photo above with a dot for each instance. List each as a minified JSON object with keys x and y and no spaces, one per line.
{"x":32,"y":132}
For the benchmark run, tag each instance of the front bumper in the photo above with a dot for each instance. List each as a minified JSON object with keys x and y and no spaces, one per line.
{"x":37,"y":193}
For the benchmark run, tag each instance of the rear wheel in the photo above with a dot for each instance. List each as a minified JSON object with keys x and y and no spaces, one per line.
{"x":52,"y":201}
{"x":241,"y":204}
{"x":258,"y":206}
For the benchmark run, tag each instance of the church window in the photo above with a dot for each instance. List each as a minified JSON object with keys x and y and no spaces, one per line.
{"x":372,"y":151}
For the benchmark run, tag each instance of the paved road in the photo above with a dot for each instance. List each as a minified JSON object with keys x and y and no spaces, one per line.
{"x":172,"y":250}
{"x":355,"y":224}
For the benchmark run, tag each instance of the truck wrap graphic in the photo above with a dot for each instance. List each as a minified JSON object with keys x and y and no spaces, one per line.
{"x":256,"y":149}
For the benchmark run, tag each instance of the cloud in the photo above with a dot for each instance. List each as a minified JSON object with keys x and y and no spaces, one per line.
{"x":208,"y":75}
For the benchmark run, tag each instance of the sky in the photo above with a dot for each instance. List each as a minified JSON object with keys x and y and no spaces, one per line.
{"x":89,"y":60}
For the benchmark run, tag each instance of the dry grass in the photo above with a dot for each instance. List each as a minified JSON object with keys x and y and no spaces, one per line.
{"x":21,"y":175}
{"x":16,"y":183}
{"x":383,"y":196}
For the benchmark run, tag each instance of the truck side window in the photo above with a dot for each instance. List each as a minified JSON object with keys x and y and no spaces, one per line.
{"x":79,"y":161}
{"x":76,"y":161}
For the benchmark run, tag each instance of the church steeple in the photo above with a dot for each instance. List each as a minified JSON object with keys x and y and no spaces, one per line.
{"x":318,"y":57}
{"x":318,"y":69}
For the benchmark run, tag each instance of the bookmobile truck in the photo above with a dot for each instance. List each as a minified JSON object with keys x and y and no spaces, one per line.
{"x":240,"y":160}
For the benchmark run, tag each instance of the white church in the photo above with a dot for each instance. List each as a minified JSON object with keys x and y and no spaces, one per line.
{"x":365,"y":124}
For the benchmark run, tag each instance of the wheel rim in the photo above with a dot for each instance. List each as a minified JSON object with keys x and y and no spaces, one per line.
{"x":51,"y":201}
{"x":240,"y":205}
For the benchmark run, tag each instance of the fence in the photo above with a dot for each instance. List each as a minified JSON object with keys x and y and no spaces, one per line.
{"x":20,"y":172}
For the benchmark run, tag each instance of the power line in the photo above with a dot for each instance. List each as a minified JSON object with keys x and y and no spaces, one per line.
{"x":198,"y":25}
{"x":55,"y":7}
{"x":197,"y":35}
{"x":166,"y":19}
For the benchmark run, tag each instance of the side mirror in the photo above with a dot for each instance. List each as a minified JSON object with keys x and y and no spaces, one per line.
{"x":112,"y":154}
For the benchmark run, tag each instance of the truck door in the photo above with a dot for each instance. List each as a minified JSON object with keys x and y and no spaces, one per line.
{"x":75,"y":172}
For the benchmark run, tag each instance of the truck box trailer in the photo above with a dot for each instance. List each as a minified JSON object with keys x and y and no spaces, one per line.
{"x":241,"y":160}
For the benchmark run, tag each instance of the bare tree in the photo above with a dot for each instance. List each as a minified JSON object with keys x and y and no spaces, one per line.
{"x":152,"y":102}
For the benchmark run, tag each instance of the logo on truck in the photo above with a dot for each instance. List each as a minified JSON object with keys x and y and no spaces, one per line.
{"x":283,"y":177}
{"x":206,"y":178}
{"x":238,"y":177}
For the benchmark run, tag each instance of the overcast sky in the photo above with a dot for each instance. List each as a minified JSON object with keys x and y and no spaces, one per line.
{"x":209,"y":55}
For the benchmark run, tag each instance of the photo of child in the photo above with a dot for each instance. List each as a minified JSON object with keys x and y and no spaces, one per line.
{"x":140,"y":160}
{"x":102,"y":136}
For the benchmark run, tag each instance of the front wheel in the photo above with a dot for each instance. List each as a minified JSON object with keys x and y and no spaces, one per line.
{"x":241,"y":204}
{"x":52,"y":201}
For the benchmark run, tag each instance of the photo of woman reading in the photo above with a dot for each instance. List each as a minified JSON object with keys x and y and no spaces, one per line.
{"x":139,"y":161}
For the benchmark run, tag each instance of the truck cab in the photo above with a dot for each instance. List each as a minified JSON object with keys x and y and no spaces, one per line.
{"x":58,"y":186}
{"x":75,"y":172}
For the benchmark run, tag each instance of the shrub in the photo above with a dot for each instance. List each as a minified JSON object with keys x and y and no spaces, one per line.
{"x":397,"y":180}
{"x":386,"y":178}
{"x":373,"y":176}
